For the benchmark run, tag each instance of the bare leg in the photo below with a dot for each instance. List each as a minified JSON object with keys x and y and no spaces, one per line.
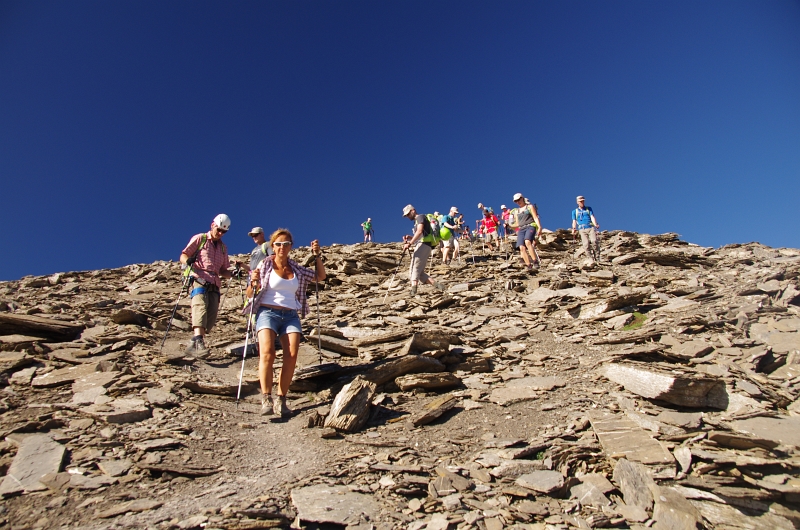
{"x":531,"y":253}
{"x":266,"y":347}
{"x":524,"y":255}
{"x":291,"y":346}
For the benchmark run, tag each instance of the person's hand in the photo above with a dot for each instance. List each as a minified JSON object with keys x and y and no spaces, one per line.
{"x":573,"y":231}
{"x":183,"y":266}
{"x":315,"y":248}
{"x":255,"y":278}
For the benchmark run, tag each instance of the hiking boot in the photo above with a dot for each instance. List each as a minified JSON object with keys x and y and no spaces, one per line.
{"x":413,"y":290}
{"x":438,"y":285}
{"x":280,"y":407}
{"x":197,"y":347}
{"x":536,"y":265}
{"x":267,"y":404}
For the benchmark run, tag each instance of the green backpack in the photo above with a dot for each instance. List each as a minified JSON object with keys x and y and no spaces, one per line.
{"x":434,"y":237}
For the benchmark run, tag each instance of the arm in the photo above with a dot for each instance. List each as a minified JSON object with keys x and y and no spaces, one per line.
{"x":416,"y":237}
{"x":189,"y":252}
{"x":594,"y":222}
{"x":535,"y":215}
{"x":319,"y":267}
{"x":574,"y":222}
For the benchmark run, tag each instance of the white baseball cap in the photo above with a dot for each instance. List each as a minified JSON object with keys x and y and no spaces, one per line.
{"x":255,"y":231}
{"x":407,"y":209}
{"x":517,"y":196}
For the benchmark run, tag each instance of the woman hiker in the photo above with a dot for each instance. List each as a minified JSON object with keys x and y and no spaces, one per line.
{"x":280,"y":285}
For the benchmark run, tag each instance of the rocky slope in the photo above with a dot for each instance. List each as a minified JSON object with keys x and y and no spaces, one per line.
{"x":659,"y":389}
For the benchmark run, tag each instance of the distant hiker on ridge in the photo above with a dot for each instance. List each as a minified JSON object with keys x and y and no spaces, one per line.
{"x":425,"y":240}
{"x":366,"y":226}
{"x":584,"y":221}
{"x":280,"y":286}
{"x":208,"y":258}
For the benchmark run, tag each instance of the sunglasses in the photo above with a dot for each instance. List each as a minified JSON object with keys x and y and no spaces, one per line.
{"x":220,"y":230}
{"x":282,"y":244}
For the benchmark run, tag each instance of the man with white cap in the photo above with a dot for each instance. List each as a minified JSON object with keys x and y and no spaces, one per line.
{"x":527,"y":224}
{"x":450,"y":243}
{"x":424,"y":240}
{"x":584,"y":222}
{"x":207,"y":258}
{"x":262,"y":249}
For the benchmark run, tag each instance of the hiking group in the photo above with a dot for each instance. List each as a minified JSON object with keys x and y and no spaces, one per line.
{"x":277,"y":287}
{"x":276,"y":294}
{"x":434,"y":230}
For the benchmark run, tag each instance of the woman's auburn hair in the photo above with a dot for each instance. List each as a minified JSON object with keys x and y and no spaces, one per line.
{"x":278,"y":233}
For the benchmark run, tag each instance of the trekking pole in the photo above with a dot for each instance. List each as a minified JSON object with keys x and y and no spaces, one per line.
{"x":319,"y":320}
{"x":246,"y":343}
{"x":186,"y":281}
{"x":393,"y":275}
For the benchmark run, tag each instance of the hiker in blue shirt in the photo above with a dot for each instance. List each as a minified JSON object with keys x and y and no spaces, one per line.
{"x":583,"y":222}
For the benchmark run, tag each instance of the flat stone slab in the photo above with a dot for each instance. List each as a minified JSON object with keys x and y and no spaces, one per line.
{"x":333,"y":504}
{"x":524,"y":389}
{"x":115,"y":468}
{"x":121,"y":410}
{"x":94,"y":380}
{"x":682,"y":389}
{"x":136,"y":506}
{"x":63,"y":376}
{"x":38,"y":455}
{"x":785,"y":430}
{"x":157,"y":443}
{"x":542,"y":481}
{"x":622,"y":438}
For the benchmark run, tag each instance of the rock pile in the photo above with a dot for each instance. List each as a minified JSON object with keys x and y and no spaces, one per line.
{"x":659,"y":389}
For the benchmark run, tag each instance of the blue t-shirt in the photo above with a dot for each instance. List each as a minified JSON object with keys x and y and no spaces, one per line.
{"x":448,"y":219}
{"x":583,"y":216}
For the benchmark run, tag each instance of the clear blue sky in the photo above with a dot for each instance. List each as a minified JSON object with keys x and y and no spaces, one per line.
{"x":126,"y":126}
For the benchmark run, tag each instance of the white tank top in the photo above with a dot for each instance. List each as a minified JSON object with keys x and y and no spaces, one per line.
{"x":281,"y":292}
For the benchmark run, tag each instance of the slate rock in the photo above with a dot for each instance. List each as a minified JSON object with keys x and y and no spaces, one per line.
{"x":687,"y":390}
{"x":37,"y":455}
{"x":63,"y":376}
{"x":120,"y":410}
{"x":635,"y":483}
{"x":542,"y":481}
{"x":115,"y":468}
{"x":333,"y":504}
{"x":160,"y":397}
{"x":785,"y":430}
{"x":673,"y":512}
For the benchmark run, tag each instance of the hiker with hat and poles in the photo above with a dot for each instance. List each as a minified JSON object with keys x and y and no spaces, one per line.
{"x":488,"y":227}
{"x":262,"y":250}
{"x":425,"y":241}
{"x":584,"y":222}
{"x":207,"y":262}
{"x":278,"y":292}
{"x":450,"y":229}
{"x":366,"y":226}
{"x":527,"y":223}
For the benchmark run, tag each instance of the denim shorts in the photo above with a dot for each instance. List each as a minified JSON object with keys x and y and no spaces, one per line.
{"x":526,"y":234}
{"x":281,"y":321}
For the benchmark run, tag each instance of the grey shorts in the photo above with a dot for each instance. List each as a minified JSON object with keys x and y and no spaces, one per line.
{"x":419,"y":259}
{"x":490,"y":236}
{"x":205,"y":308}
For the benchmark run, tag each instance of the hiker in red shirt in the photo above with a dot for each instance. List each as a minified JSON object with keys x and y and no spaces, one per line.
{"x":489,"y":225}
